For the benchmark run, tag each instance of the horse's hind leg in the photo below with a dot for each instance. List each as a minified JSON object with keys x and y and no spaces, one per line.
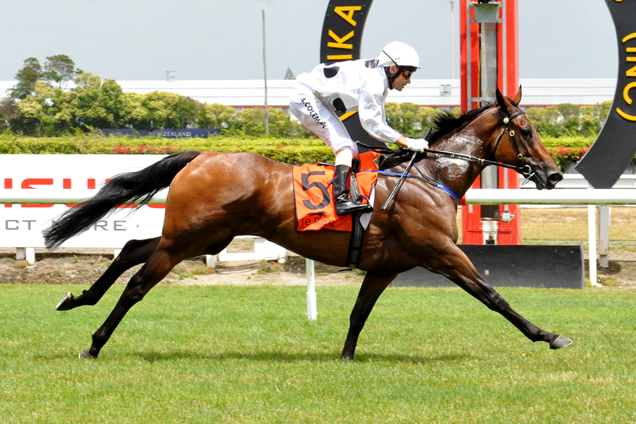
{"x":461,"y":271}
{"x":372,"y":287}
{"x":134,"y":253}
{"x":153,"y":271}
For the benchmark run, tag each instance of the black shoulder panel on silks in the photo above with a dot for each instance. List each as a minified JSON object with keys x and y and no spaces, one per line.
{"x":339,"y":105}
{"x":371,"y":63}
{"x":331,"y":71}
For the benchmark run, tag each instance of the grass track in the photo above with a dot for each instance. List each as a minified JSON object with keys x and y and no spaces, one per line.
{"x":248,"y":355}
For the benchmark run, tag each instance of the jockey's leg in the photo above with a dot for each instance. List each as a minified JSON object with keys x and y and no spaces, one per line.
{"x":322,"y":121}
{"x":344,"y":203}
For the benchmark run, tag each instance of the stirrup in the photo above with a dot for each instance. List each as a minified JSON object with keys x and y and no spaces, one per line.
{"x":346,"y":206}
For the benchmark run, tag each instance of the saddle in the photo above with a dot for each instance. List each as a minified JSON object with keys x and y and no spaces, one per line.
{"x":315,"y":202}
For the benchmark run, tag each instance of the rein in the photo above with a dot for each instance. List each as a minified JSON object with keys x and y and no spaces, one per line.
{"x":524,"y":170}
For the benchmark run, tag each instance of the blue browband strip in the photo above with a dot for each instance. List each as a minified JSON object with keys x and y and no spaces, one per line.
{"x":432,"y":182}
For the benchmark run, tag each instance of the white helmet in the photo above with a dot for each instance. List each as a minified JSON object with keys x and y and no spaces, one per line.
{"x":399,"y":53}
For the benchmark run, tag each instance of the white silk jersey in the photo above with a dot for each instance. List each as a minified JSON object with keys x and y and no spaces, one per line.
{"x":361,"y":86}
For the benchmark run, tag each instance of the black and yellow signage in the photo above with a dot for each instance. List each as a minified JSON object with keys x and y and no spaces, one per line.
{"x":341,"y":40}
{"x":342,"y":30}
{"x":615,"y":145}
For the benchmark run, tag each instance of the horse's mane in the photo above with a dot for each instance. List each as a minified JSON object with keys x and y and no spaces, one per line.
{"x":445,"y":122}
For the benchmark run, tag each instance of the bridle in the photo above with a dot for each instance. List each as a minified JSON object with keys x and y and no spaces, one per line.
{"x":524,"y":170}
{"x":507,"y":120}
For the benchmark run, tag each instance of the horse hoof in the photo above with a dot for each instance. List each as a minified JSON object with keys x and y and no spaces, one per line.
{"x":65,"y":303}
{"x":559,"y":342}
{"x":85,"y":355}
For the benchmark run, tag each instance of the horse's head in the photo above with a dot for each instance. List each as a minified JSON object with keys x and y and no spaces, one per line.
{"x":519,"y":144}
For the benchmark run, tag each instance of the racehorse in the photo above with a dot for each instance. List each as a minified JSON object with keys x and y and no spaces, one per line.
{"x":214,"y":197}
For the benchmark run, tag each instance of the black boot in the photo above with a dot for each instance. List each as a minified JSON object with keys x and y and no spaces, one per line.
{"x":344,"y":205}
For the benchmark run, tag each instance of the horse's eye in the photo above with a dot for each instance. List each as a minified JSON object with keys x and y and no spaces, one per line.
{"x":526,"y":132}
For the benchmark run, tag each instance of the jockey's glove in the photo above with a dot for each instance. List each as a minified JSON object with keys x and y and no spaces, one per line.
{"x":416,"y":144}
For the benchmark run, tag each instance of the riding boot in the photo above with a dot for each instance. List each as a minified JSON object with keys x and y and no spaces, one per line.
{"x":344,"y":205}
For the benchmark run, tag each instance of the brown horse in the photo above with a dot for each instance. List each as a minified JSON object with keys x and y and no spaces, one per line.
{"x":214,"y":197}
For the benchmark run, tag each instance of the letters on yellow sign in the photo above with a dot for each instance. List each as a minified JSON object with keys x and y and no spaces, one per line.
{"x":628,"y":87}
{"x":629,"y":73}
{"x":339,"y":57}
{"x":339,"y":44}
{"x":625,"y":115}
{"x":346,"y":13}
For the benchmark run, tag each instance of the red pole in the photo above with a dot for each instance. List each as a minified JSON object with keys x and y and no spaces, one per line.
{"x":508,"y":82}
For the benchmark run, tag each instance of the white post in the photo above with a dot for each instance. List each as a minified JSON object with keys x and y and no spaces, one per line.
{"x":25,"y":253}
{"x":265,"y":78}
{"x":604,"y":216}
{"x":312,"y":313}
{"x":452,"y":34}
{"x":591,"y":226}
{"x":210,"y":260}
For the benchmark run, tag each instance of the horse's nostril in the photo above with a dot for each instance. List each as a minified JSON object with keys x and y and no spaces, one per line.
{"x":555,"y":177}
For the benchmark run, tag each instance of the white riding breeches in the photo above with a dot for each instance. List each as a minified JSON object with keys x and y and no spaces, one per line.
{"x":321,"y":120}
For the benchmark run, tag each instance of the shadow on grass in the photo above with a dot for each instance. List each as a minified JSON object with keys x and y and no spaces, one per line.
{"x":269,"y":356}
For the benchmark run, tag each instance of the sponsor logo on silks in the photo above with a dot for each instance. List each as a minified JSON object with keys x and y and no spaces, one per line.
{"x":313,"y":113}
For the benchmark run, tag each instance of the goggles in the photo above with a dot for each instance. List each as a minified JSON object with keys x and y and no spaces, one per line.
{"x":406,"y":73}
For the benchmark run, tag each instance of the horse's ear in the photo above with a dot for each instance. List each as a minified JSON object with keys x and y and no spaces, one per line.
{"x":517,"y":98}
{"x":504,"y":104}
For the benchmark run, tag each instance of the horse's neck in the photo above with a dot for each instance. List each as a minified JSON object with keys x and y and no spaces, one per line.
{"x":459,"y":174}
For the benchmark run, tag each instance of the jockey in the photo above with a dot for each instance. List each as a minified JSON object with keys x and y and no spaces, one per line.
{"x":330,"y":90}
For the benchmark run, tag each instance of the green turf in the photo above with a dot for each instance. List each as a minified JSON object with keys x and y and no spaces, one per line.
{"x":249,"y":355}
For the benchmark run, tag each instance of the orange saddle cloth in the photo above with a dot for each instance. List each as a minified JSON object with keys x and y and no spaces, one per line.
{"x":313,"y":194}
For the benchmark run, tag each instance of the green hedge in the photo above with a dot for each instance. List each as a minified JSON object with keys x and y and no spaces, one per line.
{"x":283,"y":150}
{"x":290,"y":150}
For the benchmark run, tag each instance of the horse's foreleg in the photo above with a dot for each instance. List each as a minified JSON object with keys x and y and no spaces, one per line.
{"x":134,"y":253}
{"x":461,"y":271}
{"x":153,"y":271}
{"x":372,"y":287}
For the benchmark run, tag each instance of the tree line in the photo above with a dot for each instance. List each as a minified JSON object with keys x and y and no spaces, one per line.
{"x":42,"y":104}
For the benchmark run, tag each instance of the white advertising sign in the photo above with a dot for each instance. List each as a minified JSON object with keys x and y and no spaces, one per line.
{"x":69,"y":177}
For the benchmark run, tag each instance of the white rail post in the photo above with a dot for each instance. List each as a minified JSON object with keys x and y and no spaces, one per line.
{"x":25,"y":253}
{"x":604,"y":217}
{"x":591,"y":226}
{"x":210,"y":260}
{"x":312,"y":313}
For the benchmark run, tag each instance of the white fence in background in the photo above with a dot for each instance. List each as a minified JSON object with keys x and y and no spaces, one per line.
{"x":46,"y":186}
{"x":36,"y":189}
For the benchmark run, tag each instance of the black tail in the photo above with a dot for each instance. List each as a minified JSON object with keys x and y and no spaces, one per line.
{"x":131,"y":187}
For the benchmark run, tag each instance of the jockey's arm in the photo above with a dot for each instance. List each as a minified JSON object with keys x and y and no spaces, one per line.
{"x":372,"y":115}
{"x":373,"y":120}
